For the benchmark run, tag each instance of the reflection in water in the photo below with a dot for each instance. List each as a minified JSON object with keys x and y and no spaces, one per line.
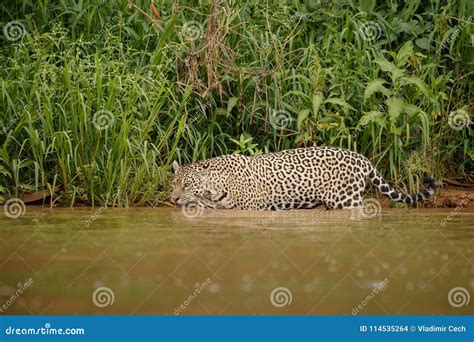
{"x":159,"y":261}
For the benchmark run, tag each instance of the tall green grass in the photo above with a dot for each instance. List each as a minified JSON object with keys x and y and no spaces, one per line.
{"x":380,"y":78}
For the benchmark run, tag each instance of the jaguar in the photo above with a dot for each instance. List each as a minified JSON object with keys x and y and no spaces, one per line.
{"x":300,"y":178}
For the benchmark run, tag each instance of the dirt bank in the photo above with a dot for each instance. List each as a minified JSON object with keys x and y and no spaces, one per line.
{"x":445,"y":197}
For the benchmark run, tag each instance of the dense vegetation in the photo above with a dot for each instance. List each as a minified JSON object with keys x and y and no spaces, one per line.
{"x":100,"y":96}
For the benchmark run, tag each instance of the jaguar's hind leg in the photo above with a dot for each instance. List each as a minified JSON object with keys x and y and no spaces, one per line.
{"x":326,"y":201}
{"x":349,"y":205}
{"x":355,"y":205}
{"x":355,"y":201}
{"x":329,"y":205}
{"x":352,"y":202}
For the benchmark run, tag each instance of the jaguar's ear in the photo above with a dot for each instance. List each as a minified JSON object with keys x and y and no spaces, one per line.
{"x":175,"y":166}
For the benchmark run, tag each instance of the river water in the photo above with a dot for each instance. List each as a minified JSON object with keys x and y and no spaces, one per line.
{"x":166,"y":261}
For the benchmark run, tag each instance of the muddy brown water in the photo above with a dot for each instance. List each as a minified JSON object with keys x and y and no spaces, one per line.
{"x":161,"y":261}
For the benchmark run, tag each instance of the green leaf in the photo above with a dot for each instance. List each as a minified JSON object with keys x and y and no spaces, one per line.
{"x":340,"y":102}
{"x":397,"y":130}
{"x":408,"y":27}
{"x":423,"y":43}
{"x":411,"y":109}
{"x":404,"y":53}
{"x":376,"y":86}
{"x":418,"y":82}
{"x":4,"y":172}
{"x":302,"y":115}
{"x":317,"y":100}
{"x":231,"y":104}
{"x":395,"y":107}
{"x":221,"y":111}
{"x":366,"y":5}
{"x":372,"y":116}
{"x":387,"y":66}
{"x":471,"y":154}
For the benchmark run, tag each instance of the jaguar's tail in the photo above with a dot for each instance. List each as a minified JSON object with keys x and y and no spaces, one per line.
{"x":390,"y":192}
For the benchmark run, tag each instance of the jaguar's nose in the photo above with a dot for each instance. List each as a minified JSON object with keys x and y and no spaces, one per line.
{"x":174,"y":199}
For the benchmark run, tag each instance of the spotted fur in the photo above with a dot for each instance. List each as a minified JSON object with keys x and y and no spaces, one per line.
{"x":291,"y":179}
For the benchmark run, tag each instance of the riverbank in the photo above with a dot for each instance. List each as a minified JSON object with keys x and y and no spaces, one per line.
{"x":446,"y":197}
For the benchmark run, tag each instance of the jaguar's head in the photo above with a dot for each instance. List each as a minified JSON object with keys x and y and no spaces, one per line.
{"x":195,"y":183}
